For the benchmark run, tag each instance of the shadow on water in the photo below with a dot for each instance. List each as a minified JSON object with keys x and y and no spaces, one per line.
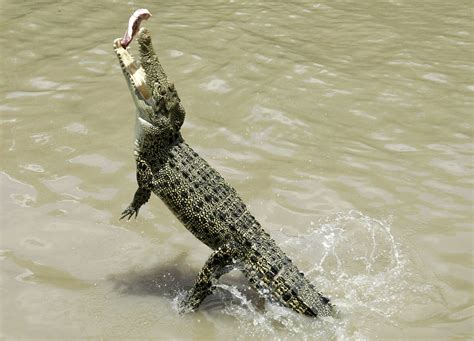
{"x":172,"y":279}
{"x":167,"y":279}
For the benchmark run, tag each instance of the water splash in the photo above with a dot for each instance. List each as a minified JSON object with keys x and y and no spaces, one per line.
{"x":358,"y":262}
{"x":273,"y":321}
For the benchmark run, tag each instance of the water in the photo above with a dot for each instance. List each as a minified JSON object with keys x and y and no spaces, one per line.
{"x":346,"y":127}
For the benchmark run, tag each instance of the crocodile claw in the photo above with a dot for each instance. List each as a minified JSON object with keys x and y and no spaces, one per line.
{"x":129,"y":212}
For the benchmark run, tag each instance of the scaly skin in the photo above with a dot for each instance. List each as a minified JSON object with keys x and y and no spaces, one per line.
{"x":198,"y":195}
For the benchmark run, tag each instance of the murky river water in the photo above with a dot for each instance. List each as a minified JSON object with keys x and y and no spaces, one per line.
{"x":346,"y":127}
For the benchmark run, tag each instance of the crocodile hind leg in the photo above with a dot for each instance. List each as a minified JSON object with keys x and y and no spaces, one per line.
{"x":219,"y":263}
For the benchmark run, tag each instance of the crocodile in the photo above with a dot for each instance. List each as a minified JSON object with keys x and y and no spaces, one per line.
{"x":199,"y":196}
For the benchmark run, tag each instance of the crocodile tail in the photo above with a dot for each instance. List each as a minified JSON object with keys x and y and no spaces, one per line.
{"x":294,"y":290}
{"x":275,"y":276}
{"x":305,"y":294}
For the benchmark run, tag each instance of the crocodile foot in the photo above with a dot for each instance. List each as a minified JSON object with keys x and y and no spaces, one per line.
{"x":184,"y":307}
{"x":129,"y":212}
{"x":190,"y":302}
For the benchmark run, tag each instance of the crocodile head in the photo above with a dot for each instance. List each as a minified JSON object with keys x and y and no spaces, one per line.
{"x":160,"y":114}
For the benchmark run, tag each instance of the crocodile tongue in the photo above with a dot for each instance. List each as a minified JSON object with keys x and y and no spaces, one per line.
{"x":133,"y":25}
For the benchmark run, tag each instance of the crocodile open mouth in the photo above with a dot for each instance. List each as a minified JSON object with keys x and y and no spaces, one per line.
{"x":132,"y":70}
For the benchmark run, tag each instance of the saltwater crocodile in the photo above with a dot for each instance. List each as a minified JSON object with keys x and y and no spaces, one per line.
{"x":198,"y":195}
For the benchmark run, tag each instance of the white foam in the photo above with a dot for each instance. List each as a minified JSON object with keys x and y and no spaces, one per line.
{"x":436,"y":77}
{"x":216,"y":85}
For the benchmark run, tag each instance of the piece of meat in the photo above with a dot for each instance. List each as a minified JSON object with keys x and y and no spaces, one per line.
{"x":134,"y":25}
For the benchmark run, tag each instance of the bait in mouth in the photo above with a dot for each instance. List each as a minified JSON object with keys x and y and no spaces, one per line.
{"x":134,"y":25}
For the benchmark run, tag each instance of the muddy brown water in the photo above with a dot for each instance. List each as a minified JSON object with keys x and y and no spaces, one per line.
{"x":346,"y":127}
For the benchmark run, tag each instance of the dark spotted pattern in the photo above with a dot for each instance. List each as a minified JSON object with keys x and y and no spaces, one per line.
{"x":207,"y":206}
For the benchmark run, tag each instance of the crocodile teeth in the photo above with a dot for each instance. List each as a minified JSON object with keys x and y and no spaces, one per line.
{"x":136,"y":73}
